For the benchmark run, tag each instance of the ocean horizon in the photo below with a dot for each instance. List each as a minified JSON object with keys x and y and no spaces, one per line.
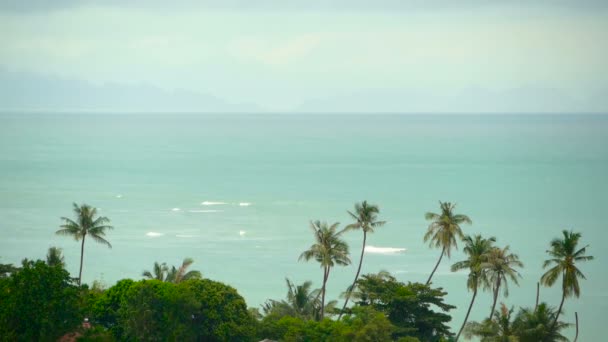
{"x":236,"y":193}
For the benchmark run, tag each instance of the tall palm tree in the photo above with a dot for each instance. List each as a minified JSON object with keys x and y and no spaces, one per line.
{"x":564,"y":256}
{"x":537,"y":325}
{"x":477,"y":248}
{"x":54,"y":257}
{"x":499,"y":267}
{"x":159,"y":272}
{"x":85,"y":224}
{"x":177,"y":275}
{"x":366,"y":219}
{"x":328,"y":250}
{"x":443,"y":230}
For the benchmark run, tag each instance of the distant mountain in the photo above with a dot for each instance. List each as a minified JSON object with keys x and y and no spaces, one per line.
{"x":30,"y":91}
{"x":470,"y":100}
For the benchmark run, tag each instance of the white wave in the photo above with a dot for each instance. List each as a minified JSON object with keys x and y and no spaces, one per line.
{"x":384,"y":250}
{"x":119,"y":196}
{"x":175,"y":209}
{"x":212,"y":203}
{"x":154,"y":234}
{"x":205,"y":211}
{"x":244,"y":204}
{"x":242,"y":233}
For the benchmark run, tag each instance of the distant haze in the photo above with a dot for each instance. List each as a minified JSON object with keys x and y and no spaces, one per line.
{"x":305,"y":56}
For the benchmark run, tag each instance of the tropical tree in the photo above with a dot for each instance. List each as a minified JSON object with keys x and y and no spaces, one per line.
{"x":328,"y":250}
{"x":54,"y":257}
{"x":537,"y":325}
{"x":366,"y":219}
{"x":477,"y":249}
{"x":159,"y":272}
{"x":174,"y":274}
{"x":443,"y":230}
{"x":498,"y":329}
{"x":499,"y":267}
{"x":86,"y":223}
{"x":177,"y":275}
{"x":564,"y":256}
{"x":301,"y":302}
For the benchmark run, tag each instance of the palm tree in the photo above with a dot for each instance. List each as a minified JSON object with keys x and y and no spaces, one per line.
{"x":498,"y":329}
{"x":328,"y":250}
{"x":85,"y":224}
{"x":537,"y":325}
{"x":301,"y":302}
{"x":564,"y":256}
{"x":54,"y":257}
{"x":177,"y":275}
{"x":499,"y":267}
{"x":443,"y":230}
{"x":366,"y":219}
{"x":159,"y":272}
{"x":477,"y":249}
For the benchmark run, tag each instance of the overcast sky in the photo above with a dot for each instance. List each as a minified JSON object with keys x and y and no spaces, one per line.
{"x":284,"y":55}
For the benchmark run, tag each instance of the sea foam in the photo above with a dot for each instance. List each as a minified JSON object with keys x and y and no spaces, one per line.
{"x":154,"y":234}
{"x":384,"y":250}
{"x":212,"y":203}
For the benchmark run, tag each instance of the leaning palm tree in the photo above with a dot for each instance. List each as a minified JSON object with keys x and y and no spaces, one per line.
{"x":564,"y":256}
{"x":54,"y":257}
{"x":499,"y":267}
{"x":477,"y":249}
{"x":177,"y":275}
{"x":85,"y":224}
{"x":328,"y":250}
{"x":532,"y":325}
{"x":159,"y":272}
{"x":443,"y":230}
{"x":366,"y":219}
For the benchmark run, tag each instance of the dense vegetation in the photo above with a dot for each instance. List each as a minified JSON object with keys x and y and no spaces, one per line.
{"x":40,"y":301}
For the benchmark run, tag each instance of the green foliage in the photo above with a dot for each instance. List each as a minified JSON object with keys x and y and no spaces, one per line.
{"x":39,"y":303}
{"x":528,"y":326}
{"x":363,"y":324}
{"x":408,"y":306}
{"x":221,"y":314}
{"x":105,"y":310}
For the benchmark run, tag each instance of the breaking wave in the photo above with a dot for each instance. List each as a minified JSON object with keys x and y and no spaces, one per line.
{"x":154,"y":234}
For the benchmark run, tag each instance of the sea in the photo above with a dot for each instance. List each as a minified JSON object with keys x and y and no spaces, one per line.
{"x":237,"y":192}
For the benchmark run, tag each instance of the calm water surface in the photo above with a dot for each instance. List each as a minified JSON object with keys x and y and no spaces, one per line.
{"x":236,"y":193}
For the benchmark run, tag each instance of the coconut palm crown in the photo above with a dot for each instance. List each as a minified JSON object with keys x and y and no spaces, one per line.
{"x":443,"y":231}
{"x":328,"y":250}
{"x":366,"y":219}
{"x":85,"y":224}
{"x":500,"y":267}
{"x":564,"y":257}
{"x":477,"y":249}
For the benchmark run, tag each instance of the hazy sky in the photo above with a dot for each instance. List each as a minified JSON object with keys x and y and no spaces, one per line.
{"x":325,"y":55}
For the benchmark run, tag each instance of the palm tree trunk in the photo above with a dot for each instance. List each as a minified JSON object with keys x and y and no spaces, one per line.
{"x":495,"y":298}
{"x":559,"y":310}
{"x":81,"y":259}
{"x":349,"y":292}
{"x":325,"y":276}
{"x":576,"y":317}
{"x":434,"y":269}
{"x":537,"y":295}
{"x":467,"y":316}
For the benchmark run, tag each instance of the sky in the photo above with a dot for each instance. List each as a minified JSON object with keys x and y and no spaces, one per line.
{"x":305,"y":56}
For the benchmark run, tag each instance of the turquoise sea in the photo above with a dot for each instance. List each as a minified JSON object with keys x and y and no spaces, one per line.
{"x":236,"y":192}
